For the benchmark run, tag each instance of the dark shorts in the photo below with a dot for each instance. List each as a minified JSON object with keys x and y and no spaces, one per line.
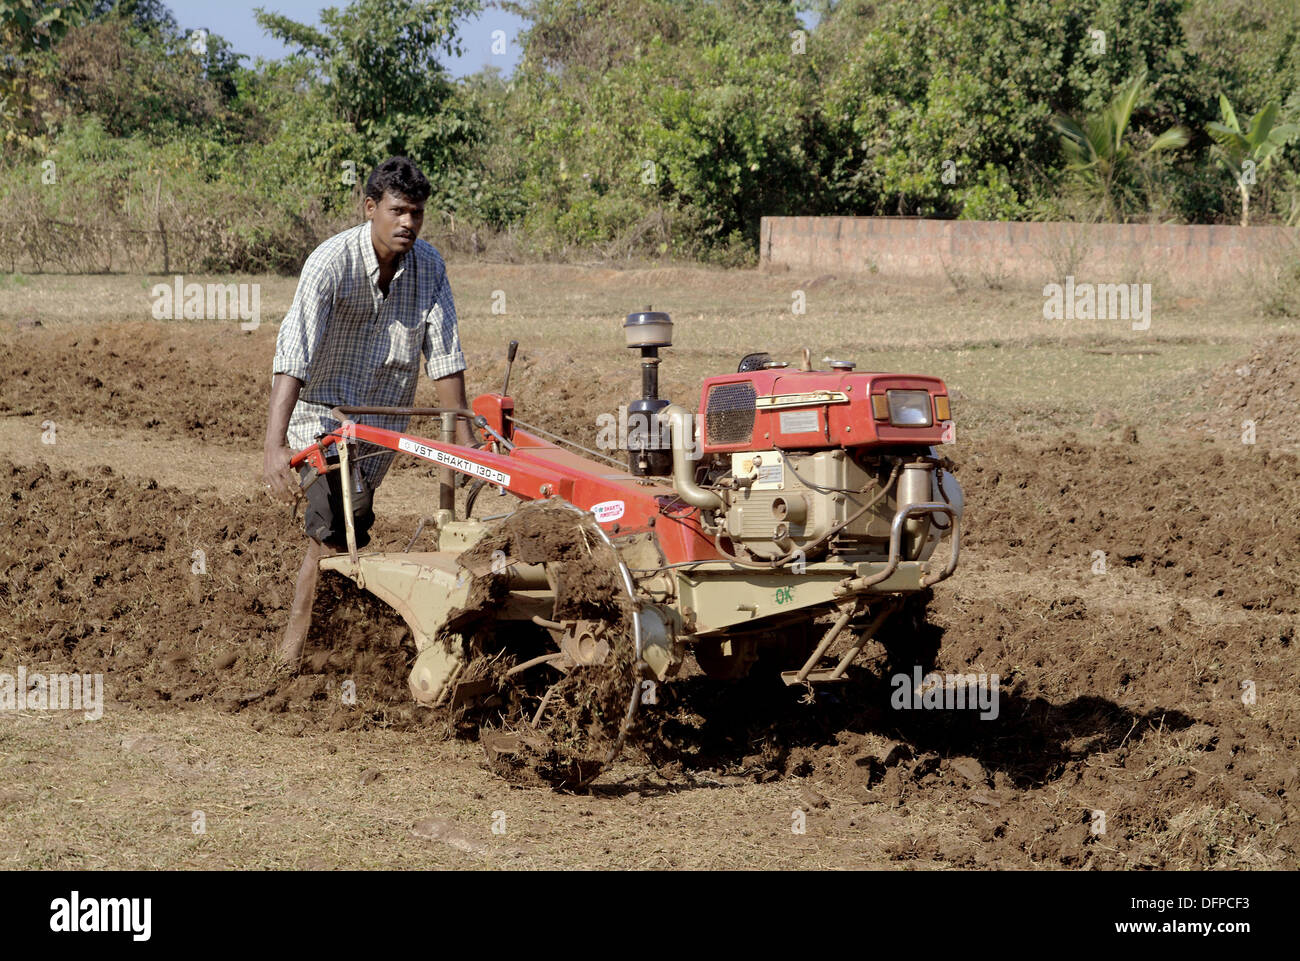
{"x":324,"y":515}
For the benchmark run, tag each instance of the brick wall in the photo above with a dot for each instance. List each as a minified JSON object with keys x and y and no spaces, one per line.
{"x":917,"y":247}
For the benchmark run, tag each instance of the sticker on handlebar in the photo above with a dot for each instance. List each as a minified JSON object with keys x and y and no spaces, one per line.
{"x":451,"y":460}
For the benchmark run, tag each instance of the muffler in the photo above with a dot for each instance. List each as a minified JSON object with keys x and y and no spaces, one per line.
{"x":915,"y":486}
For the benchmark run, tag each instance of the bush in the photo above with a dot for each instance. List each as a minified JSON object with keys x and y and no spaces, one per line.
{"x":186,"y":205}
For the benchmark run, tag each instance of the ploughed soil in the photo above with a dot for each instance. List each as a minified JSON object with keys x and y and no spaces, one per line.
{"x":1257,"y":394}
{"x":1134,"y":597}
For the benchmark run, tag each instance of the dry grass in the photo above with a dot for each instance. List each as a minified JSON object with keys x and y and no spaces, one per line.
{"x":1025,"y":372}
{"x":127,"y":787}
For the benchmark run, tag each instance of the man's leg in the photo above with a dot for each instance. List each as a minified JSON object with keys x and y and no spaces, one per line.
{"x":304,"y":595}
{"x":326,"y":536}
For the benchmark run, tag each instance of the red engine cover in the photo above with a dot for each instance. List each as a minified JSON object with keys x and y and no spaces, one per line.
{"x":801,"y":410}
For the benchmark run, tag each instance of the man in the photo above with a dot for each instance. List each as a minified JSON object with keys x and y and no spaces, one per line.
{"x":370,"y":302}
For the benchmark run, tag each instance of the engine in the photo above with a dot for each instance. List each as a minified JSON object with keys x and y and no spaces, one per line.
{"x":801,"y":462}
{"x":821,"y":461}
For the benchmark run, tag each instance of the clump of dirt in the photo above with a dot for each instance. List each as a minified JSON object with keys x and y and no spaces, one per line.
{"x":579,"y":715}
{"x":1262,"y":389}
{"x":143,"y":376}
{"x":212,"y":382}
{"x":179,"y":599}
{"x":358,"y":638}
{"x":539,"y":532}
{"x":1208,"y":522}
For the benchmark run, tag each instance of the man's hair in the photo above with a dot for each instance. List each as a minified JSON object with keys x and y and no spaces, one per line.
{"x":397,"y":175}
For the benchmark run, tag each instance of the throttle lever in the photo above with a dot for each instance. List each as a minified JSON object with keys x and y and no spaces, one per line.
{"x":510,"y":363}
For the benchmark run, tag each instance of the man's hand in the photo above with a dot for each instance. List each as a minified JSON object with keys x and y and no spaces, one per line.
{"x":280,"y":480}
{"x":451,"y":393}
{"x":279,"y":477}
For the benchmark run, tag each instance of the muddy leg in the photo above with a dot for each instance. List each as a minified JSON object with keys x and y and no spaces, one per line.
{"x":304,"y":595}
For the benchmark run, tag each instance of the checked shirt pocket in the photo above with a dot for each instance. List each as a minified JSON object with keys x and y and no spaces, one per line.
{"x":401,"y":363}
{"x":404,"y":344}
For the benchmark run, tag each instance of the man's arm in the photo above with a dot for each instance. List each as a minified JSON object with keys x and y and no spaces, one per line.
{"x":451,"y":393}
{"x":276,"y":452}
{"x":295,"y":345}
{"x":445,"y":360}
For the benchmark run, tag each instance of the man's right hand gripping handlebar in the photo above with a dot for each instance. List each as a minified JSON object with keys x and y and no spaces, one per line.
{"x":280,"y":479}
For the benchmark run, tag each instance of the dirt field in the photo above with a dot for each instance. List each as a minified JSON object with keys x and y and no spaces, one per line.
{"x":1131,"y":572}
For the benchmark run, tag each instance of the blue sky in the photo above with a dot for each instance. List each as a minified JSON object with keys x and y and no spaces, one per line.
{"x":233,"y":19}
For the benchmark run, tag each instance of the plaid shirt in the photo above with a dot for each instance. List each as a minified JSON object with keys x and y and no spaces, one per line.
{"x":351,"y":346}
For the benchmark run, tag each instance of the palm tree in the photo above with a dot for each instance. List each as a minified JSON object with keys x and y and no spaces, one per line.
{"x":1097,"y":151}
{"x":1250,"y":152}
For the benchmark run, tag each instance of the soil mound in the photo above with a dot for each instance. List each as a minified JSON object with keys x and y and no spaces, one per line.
{"x":179,"y":598}
{"x":1264,"y":388}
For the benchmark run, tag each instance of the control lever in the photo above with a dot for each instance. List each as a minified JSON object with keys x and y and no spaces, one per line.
{"x":510,"y":362}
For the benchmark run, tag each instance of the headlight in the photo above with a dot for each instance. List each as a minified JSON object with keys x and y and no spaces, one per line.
{"x":909,"y":408}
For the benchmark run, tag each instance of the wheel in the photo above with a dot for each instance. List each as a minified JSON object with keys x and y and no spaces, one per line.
{"x":564,"y":706}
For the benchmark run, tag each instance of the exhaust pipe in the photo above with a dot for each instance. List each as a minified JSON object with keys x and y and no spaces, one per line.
{"x":683,"y":467}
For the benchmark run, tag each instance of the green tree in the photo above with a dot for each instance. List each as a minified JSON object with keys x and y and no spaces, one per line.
{"x":1100,"y":153}
{"x":650,"y":125}
{"x":379,"y":62}
{"x":28,"y":30}
{"x":148,"y":15}
{"x":1248,"y":153}
{"x":1249,"y":48}
{"x":148,"y":76}
{"x":930,"y":106}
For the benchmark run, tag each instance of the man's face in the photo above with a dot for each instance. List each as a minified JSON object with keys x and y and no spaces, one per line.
{"x":395,"y":222}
